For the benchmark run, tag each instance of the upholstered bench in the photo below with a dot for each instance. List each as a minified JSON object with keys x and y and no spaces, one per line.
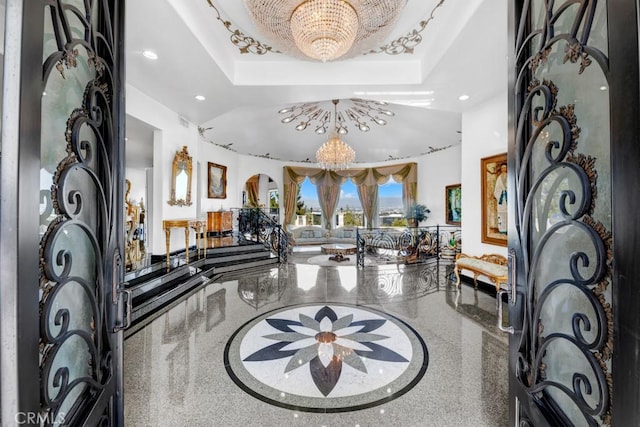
{"x":492,"y":266}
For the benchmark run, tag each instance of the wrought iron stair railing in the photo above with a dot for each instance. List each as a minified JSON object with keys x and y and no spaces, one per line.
{"x":256,"y":225}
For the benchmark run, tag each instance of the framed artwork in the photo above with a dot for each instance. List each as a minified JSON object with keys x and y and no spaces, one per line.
{"x":217,"y":181}
{"x":493,"y":176}
{"x":452,"y":200}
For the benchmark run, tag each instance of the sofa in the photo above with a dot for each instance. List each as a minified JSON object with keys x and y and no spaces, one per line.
{"x":316,"y":235}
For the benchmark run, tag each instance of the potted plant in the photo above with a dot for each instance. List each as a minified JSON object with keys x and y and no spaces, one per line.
{"x":416,"y":214}
{"x":449,"y":250}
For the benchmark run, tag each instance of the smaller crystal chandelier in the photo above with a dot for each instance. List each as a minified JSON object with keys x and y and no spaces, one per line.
{"x":335,"y":154}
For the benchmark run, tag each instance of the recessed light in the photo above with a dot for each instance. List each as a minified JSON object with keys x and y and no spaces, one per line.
{"x":603,"y":88}
{"x":200,"y":98}
{"x":149,"y":54}
{"x":463,"y":97}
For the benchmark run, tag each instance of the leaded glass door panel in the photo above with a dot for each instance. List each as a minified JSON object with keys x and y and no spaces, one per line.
{"x":562,"y":299}
{"x":68,"y":148}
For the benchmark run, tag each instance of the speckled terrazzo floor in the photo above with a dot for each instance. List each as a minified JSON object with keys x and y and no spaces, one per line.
{"x":175,"y":373}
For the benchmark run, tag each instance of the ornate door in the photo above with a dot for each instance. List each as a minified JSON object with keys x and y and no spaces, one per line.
{"x":68,"y":152}
{"x":568,"y":97}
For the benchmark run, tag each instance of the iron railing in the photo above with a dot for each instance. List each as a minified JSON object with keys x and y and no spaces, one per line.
{"x":254,"y":224}
{"x":409,"y":245}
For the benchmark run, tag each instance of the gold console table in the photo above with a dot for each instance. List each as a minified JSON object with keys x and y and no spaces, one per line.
{"x":197,"y":224}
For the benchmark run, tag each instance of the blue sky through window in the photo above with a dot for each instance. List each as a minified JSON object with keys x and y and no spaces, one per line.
{"x":390,"y":195}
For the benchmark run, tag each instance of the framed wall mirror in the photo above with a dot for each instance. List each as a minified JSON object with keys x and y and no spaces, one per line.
{"x":181,"y":179}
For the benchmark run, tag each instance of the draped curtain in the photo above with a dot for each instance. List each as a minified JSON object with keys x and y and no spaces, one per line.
{"x":328,"y":185}
{"x":292,"y":181}
{"x":366,"y":179}
{"x":368,"y":195}
{"x":252,"y":191}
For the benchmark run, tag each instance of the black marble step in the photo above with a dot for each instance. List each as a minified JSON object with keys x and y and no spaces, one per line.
{"x":154,"y":289}
{"x":241,"y":265}
{"x":160,"y":299}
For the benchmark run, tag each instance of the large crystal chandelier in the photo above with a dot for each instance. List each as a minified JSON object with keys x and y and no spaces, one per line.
{"x":335,"y":154}
{"x":325,"y":30}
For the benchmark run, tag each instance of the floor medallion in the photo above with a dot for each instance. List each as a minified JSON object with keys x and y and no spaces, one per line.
{"x":326,"y":357}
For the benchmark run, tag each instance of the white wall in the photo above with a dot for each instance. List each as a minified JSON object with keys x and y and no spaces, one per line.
{"x":239,"y":168}
{"x":167,"y":140}
{"x":484,"y":133}
{"x":435,"y":172}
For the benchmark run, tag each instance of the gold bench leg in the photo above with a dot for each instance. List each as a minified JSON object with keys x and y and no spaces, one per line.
{"x":457,"y":273}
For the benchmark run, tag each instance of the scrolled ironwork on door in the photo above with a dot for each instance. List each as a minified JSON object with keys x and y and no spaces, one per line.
{"x":565,"y":349}
{"x":79,"y":242}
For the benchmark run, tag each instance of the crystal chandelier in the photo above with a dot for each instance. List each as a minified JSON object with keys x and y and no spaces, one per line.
{"x":335,"y":154}
{"x":325,"y":30}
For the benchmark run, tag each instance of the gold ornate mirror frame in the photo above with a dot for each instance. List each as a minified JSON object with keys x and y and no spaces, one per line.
{"x":181,"y":179}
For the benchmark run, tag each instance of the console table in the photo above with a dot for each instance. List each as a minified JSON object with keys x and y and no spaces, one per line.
{"x":196,"y":224}
{"x":219,"y":222}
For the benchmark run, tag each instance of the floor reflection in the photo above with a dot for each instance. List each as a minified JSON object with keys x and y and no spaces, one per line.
{"x":468,"y":302}
{"x":175,"y":375}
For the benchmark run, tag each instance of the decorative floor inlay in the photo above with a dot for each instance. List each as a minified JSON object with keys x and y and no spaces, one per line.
{"x":326,"y":357}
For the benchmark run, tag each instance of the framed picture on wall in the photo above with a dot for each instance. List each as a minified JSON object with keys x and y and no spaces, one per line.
{"x":493,"y":176}
{"x":452,"y":197}
{"x":217,"y":181}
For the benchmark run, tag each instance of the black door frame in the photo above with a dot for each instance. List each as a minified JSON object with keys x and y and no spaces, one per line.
{"x":19,"y":189}
{"x":625,"y":174}
{"x":624,"y":86}
{"x":20,"y":389}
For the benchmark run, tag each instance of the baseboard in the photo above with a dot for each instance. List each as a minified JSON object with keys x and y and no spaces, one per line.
{"x":482,"y":285}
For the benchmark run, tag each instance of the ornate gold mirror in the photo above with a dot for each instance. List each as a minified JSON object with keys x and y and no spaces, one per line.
{"x":181,"y":179}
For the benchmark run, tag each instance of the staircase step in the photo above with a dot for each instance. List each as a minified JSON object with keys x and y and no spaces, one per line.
{"x":232,"y":257}
{"x":152,"y":306}
{"x":154,"y":289}
{"x":236,"y":249}
{"x":235,"y":266}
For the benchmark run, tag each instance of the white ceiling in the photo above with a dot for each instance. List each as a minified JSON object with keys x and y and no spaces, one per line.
{"x":463,"y":51}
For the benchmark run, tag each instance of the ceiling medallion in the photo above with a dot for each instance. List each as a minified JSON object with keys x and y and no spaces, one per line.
{"x":324,"y":30}
{"x":402,"y":45}
{"x":245,"y":43}
{"x":408,"y":42}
